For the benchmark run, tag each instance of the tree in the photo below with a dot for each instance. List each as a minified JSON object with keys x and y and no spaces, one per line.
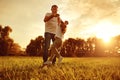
{"x":6,"y":43}
{"x":15,"y":49}
{"x":72,"y":47}
{"x":35,"y":47}
{"x":5,"y":40}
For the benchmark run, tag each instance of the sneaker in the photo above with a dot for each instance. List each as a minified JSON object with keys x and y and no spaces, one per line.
{"x":60,"y":59}
{"x":47,"y":63}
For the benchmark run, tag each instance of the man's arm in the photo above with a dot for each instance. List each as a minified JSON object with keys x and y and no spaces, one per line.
{"x":47,"y":18}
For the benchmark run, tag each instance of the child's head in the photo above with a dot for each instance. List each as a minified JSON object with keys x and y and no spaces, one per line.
{"x":63,"y":26}
{"x":66,"y":22}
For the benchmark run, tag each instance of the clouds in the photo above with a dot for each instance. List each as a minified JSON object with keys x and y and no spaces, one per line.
{"x":86,"y":13}
{"x":90,"y":8}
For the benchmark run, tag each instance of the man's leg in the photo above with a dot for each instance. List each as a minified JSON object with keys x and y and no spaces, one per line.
{"x":46,"y":46}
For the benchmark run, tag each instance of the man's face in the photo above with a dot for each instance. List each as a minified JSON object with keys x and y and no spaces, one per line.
{"x":54,"y":9}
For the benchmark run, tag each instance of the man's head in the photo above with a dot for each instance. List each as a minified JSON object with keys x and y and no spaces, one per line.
{"x":54,"y":8}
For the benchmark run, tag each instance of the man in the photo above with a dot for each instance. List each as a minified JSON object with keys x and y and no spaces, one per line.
{"x":52,"y":21}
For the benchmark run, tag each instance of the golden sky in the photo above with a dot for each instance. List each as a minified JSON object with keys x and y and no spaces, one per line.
{"x":86,"y":18}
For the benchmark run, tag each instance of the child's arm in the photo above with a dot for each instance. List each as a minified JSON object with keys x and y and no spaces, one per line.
{"x":63,"y":28}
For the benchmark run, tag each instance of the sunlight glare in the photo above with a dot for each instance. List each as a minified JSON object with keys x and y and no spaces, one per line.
{"x":105,"y":30}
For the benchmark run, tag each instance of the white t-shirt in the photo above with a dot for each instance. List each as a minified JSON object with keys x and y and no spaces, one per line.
{"x":51,"y":25}
{"x":59,"y":33}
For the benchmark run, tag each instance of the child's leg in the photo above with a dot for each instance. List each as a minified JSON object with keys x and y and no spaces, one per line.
{"x":57,"y":45}
{"x":54,"y":49}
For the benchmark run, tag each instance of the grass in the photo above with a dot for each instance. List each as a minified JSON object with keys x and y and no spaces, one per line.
{"x":87,"y":68}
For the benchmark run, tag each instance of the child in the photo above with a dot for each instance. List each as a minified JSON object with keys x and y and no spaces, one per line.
{"x":57,"y":43}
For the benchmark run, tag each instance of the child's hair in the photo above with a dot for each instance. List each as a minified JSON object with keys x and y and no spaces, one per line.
{"x":66,"y":22}
{"x":63,"y":26}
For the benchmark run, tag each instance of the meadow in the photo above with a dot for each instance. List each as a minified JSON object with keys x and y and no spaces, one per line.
{"x":83,"y":68}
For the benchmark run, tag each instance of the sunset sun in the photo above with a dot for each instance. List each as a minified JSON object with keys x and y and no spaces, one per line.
{"x":105,"y":30}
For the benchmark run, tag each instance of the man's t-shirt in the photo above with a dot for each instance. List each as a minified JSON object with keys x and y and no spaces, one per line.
{"x":51,"y":25}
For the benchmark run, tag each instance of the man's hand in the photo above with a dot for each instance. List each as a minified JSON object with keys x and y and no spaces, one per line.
{"x":55,"y":15}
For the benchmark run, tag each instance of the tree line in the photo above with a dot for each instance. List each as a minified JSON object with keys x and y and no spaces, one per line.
{"x":78,"y":47}
{"x":72,"y":47}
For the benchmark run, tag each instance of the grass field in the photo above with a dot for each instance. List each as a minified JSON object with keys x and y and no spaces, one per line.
{"x":87,"y":68}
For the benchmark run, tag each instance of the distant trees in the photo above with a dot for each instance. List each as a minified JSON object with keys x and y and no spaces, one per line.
{"x":16,"y":50}
{"x":6,"y":43}
{"x":5,"y":40}
{"x":35,"y":47}
{"x":78,"y":47}
{"x":110,"y":49}
{"x":92,"y":47}
{"x":72,"y":47}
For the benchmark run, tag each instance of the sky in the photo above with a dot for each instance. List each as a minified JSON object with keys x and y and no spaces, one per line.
{"x":87,"y":18}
